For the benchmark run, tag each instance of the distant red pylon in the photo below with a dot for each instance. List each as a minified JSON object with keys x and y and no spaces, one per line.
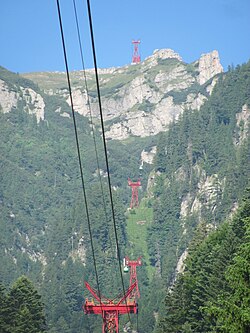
{"x":134,"y":186}
{"x":136,"y":58}
{"x":133,"y":277}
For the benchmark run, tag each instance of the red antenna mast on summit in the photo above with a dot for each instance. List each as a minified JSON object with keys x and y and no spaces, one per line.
{"x":136,"y":58}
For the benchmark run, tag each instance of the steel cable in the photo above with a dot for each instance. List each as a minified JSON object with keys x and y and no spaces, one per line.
{"x":105,"y":147}
{"x":91,"y":120}
{"x":77,"y":145}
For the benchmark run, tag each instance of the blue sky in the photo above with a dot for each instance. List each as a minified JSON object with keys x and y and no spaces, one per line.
{"x":30,"y":38}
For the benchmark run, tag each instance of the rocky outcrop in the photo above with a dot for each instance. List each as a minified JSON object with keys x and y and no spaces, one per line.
{"x":142,"y":99}
{"x":209,"y":66}
{"x":141,"y":123}
{"x":209,"y":192}
{"x":8,"y":98}
{"x":80,"y":252}
{"x":80,"y":101}
{"x":142,"y":106}
{"x":243,"y":124}
{"x":33,"y":102}
{"x":162,"y":54}
{"x":181,"y":262}
{"x":148,"y":157}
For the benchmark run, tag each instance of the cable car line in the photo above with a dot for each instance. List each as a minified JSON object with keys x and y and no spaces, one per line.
{"x":91,"y":119}
{"x":77,"y":145}
{"x":104,"y":144}
{"x":105,"y":147}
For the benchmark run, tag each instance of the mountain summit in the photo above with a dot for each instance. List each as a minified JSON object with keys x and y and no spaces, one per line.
{"x":142,"y":99}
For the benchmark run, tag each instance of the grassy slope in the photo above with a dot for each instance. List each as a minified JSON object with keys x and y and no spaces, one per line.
{"x":138,"y":220}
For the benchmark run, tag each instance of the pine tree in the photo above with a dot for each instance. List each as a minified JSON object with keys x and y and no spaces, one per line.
{"x":160,"y":157}
{"x":232,"y":308}
{"x":25,"y":308}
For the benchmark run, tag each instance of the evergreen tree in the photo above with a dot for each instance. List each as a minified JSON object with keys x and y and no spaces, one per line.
{"x":232,"y":308}
{"x":160,"y":157}
{"x":26,"y":312}
{"x":213,"y":294}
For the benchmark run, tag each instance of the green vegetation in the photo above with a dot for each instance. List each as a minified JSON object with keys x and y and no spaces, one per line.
{"x":15,"y":80}
{"x":201,"y":145}
{"x":213,"y":294}
{"x":48,"y":80}
{"x":21,"y":309}
{"x":192,"y":69}
{"x":44,"y":231}
{"x":138,"y":221}
{"x":168,"y":64}
{"x":43,"y":224}
{"x":146,"y":106}
{"x":180,"y":96}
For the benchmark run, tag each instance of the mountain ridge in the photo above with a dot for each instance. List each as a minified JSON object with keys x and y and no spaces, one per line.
{"x":195,"y":171}
{"x":142,"y":99}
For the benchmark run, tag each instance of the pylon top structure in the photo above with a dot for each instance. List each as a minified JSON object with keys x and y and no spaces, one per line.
{"x":134,"y":186}
{"x":136,"y":58}
{"x":110,"y":309}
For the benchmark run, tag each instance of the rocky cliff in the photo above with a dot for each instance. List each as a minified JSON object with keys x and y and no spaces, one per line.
{"x":139,"y":100}
{"x":32,"y":101}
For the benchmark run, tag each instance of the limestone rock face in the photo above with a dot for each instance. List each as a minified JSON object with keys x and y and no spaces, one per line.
{"x":209,"y":189}
{"x":243,"y":124}
{"x":8,"y":99}
{"x":181,"y":262}
{"x":34,"y":103}
{"x":163,"y":54}
{"x":140,"y":123}
{"x":139,"y":99}
{"x":195,"y":101}
{"x":209,"y":66}
{"x":148,"y":157}
{"x":80,"y":102}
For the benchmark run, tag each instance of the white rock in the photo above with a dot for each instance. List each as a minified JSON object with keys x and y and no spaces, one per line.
{"x":164,"y":54}
{"x":181,"y":262}
{"x":8,"y":99}
{"x":243,"y":123}
{"x":209,"y":66}
{"x":148,"y":157}
{"x":34,"y":103}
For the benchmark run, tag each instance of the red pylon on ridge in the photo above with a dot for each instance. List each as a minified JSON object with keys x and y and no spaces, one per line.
{"x":134,"y":186}
{"x":136,"y":58}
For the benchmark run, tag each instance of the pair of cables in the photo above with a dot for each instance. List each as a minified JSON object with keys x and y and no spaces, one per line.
{"x":95,"y":145}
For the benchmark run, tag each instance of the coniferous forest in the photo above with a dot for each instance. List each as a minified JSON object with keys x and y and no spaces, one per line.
{"x":213,"y":294}
{"x":194,"y":204}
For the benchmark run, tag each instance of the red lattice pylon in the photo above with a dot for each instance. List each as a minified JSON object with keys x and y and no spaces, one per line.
{"x":134,"y":186}
{"x":133,"y":276}
{"x":110,"y":309}
{"x":136,"y":58}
